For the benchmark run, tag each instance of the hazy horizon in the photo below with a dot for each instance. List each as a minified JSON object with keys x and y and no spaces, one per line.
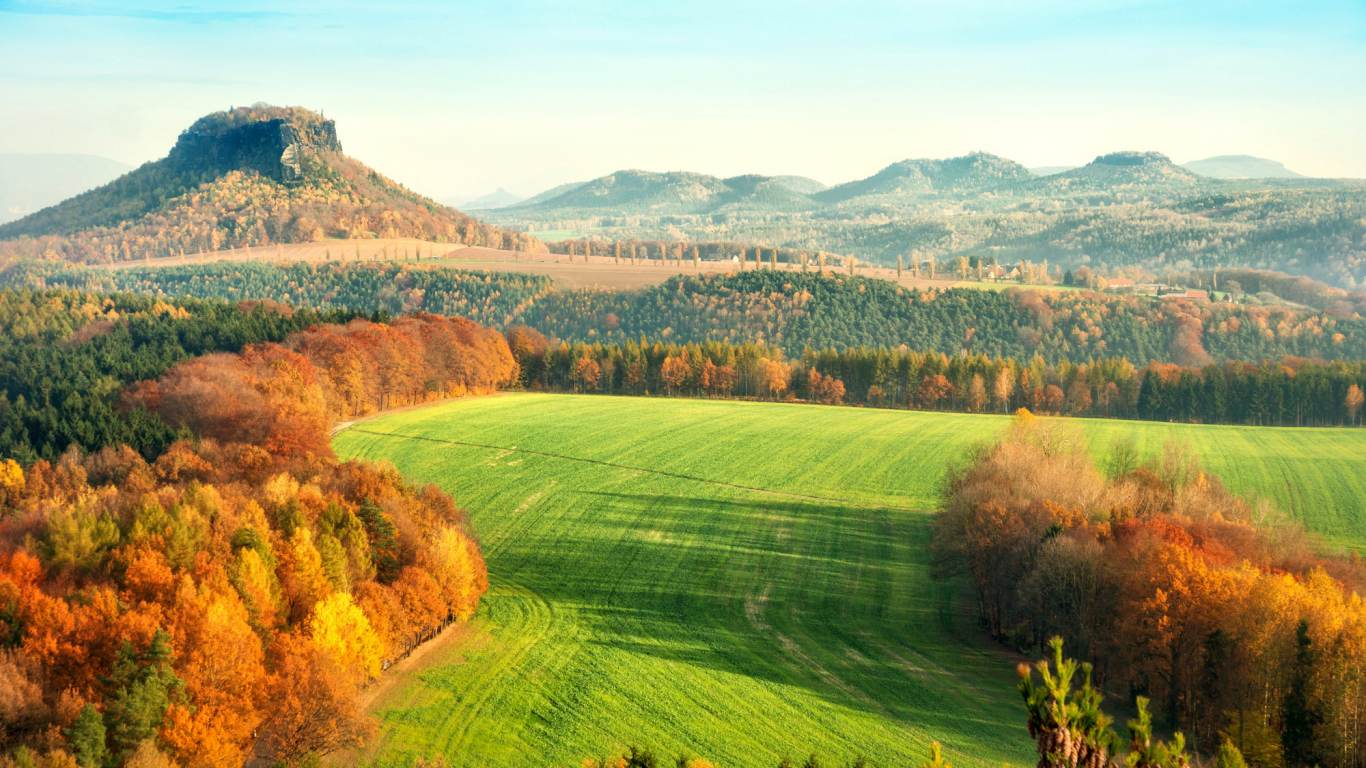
{"x":456,"y":101}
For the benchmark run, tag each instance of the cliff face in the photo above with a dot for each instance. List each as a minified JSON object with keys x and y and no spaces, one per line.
{"x":278,"y":148}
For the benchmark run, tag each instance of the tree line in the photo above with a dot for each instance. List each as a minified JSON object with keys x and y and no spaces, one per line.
{"x":232,"y":594}
{"x":1290,"y":392}
{"x":1176,"y":590}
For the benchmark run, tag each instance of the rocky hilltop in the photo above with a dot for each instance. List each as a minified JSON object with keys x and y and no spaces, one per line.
{"x":244,"y":177}
{"x":280,"y":148}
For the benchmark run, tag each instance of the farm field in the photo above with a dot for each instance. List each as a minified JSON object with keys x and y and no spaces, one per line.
{"x":581,"y":272}
{"x":740,"y":580}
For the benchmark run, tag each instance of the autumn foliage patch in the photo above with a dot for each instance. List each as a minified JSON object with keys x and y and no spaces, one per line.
{"x":233,"y":595}
{"x":1176,"y":590}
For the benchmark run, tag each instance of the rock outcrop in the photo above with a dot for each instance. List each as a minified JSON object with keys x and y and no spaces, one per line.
{"x":279,"y":148}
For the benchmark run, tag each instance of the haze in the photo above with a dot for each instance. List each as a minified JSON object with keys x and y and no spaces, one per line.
{"x":455,"y":99}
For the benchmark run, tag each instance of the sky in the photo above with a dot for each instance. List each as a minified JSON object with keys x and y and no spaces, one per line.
{"x":455,"y":99}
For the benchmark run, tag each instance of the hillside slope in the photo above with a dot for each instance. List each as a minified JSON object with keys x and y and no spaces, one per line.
{"x":245,"y":177}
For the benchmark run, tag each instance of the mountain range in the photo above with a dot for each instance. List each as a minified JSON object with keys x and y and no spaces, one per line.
{"x":1121,"y":175}
{"x":1122,"y":209}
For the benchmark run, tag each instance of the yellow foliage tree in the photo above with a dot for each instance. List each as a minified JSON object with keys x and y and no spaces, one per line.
{"x":340,"y":628}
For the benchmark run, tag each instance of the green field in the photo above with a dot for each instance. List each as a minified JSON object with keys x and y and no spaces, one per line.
{"x":741,"y":580}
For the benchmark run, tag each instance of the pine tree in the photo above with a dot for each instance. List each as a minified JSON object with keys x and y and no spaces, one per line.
{"x":86,"y":738}
{"x":144,"y":688}
{"x":383,"y":540}
{"x":1301,"y":716}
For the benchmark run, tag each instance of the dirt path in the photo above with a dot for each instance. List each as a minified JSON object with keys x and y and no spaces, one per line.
{"x":413,"y":662}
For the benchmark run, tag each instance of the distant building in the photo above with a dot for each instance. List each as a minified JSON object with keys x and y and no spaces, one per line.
{"x":1120,"y":282}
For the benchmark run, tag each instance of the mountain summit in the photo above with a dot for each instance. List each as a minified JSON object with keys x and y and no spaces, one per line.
{"x":977,"y":172}
{"x":246,"y":177}
{"x":279,"y":143}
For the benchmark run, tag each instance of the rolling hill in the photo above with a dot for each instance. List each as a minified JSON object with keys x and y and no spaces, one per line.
{"x":800,"y":184}
{"x":973,"y":173}
{"x":673,"y":193}
{"x":245,"y":177}
{"x":1120,"y":173}
{"x":1240,"y":167}
{"x":29,"y":183}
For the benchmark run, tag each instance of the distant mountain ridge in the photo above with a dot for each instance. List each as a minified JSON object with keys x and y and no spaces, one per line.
{"x":500,"y":198}
{"x":1119,"y":171}
{"x":1240,"y":167}
{"x":636,"y":192}
{"x":1123,"y":209}
{"x":245,"y":177}
{"x":970,"y":173}
{"x":674,"y":193}
{"x":29,"y":183}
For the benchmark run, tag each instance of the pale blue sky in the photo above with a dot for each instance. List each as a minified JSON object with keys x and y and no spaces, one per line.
{"x":458,"y":98}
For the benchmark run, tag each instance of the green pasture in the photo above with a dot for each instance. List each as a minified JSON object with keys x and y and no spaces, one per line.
{"x":739,"y":580}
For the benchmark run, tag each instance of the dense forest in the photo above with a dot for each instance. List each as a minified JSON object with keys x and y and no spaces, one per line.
{"x":1289,"y":392}
{"x":216,"y":190}
{"x":1179,"y":592}
{"x":787,"y":310}
{"x":65,"y":356}
{"x":794,"y":311}
{"x":490,"y":298}
{"x":231,"y":593}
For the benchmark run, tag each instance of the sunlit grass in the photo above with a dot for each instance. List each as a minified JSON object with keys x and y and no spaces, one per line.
{"x":646,"y":587}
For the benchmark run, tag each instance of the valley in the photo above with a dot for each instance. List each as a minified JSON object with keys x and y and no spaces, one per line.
{"x":739,"y":580}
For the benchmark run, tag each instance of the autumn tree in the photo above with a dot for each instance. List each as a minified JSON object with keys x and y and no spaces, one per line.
{"x":674,"y":373}
{"x":315,"y":711}
{"x":933,"y":390}
{"x":977,"y":394}
{"x":586,"y":374}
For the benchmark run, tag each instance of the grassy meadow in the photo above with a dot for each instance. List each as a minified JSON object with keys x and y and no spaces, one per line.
{"x":739,"y":580}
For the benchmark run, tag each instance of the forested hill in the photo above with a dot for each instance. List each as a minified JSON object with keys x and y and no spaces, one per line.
{"x":244,"y":177}
{"x":491,"y":298}
{"x":794,"y":311}
{"x":66,"y":355}
{"x":787,"y":310}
